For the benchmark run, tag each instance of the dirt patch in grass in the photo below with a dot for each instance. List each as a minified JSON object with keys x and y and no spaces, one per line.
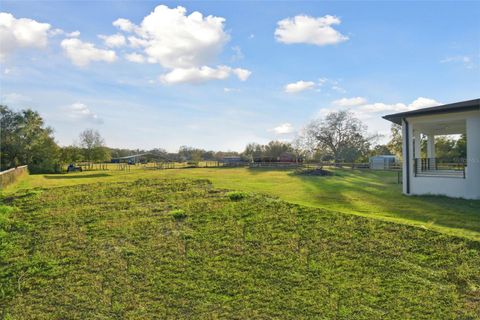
{"x":314,"y":172}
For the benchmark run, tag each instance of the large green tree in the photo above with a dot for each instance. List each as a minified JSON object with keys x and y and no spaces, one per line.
{"x":448,"y":148}
{"x":71,"y":154}
{"x":253,"y":151}
{"x":395,"y":143}
{"x":272,"y":150}
{"x":339,"y":136}
{"x":275,"y":149}
{"x":26,"y":140}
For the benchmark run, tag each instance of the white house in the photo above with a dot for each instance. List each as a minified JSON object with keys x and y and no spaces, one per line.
{"x":431,"y":175}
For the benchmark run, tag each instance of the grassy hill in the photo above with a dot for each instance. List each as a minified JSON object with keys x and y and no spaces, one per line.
{"x":181,"y":248}
{"x":367,"y":193}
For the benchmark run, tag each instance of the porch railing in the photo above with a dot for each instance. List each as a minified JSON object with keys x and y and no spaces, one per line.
{"x":438,"y":167}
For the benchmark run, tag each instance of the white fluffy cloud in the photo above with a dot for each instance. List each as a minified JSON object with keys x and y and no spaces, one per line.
{"x":174,"y":39}
{"x":399,"y":107}
{"x":202,"y":74}
{"x":299,"y":86}
{"x":136,"y":42}
{"x":114,"y":40}
{"x":124,"y":25}
{"x":135,"y":57}
{"x":321,"y":85}
{"x":73,"y":34}
{"x":242,"y":74}
{"x":423,"y":103}
{"x":306,"y":29}
{"x":58,"y":32}
{"x":79,"y":111}
{"x":20,"y":33}
{"x":350,"y":102}
{"x":283,"y":128}
{"x":82,"y":53}
{"x":183,"y":43}
{"x":363,"y":109}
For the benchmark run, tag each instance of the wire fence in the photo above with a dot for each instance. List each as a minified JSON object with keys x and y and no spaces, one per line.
{"x":165,"y":165}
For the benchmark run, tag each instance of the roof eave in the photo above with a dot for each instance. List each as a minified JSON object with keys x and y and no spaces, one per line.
{"x":471,"y":105}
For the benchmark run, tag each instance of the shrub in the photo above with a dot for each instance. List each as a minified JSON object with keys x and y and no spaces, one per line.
{"x":178,"y":214}
{"x":236,"y":195}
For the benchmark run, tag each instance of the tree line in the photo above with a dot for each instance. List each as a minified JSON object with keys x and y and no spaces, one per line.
{"x":25,"y":139}
{"x":338,"y":137}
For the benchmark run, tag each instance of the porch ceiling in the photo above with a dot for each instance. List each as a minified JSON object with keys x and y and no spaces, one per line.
{"x":441,"y":128}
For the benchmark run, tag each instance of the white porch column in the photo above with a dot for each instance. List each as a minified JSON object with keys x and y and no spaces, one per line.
{"x":407,"y":153}
{"x":418,"y":145}
{"x":405,"y":147}
{"x":431,"y":151}
{"x":430,"y":146}
{"x":473,"y":157}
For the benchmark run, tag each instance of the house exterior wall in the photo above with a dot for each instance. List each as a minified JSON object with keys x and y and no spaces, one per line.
{"x":451,"y":187}
{"x":468,"y":187}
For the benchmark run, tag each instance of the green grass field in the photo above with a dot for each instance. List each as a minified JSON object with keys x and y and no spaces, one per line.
{"x":367,"y":193}
{"x":179,"y":248}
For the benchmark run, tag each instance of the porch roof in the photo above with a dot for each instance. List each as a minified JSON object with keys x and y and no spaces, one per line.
{"x":468,"y":105}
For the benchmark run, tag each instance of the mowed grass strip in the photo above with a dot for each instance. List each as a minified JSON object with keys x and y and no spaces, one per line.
{"x":179,"y":248}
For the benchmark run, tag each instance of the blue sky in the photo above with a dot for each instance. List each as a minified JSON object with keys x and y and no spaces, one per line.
{"x":241,"y":76}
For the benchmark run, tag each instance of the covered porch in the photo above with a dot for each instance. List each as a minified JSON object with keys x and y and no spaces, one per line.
{"x":426,"y":162}
{"x":426,"y":171}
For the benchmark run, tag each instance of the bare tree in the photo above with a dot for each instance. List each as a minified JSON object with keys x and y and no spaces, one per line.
{"x":93,"y":145}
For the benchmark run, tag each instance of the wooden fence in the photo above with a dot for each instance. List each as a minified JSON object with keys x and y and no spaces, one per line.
{"x":11,"y":175}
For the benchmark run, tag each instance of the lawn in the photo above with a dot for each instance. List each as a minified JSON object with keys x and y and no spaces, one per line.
{"x":173,"y":248}
{"x":374,"y":194}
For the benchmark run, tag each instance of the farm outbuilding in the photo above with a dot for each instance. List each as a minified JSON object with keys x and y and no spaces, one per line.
{"x":135,"y":158}
{"x":382,"y":162}
{"x":232,"y":159}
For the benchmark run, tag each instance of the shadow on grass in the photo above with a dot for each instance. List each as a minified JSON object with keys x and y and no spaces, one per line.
{"x":76,"y":176}
{"x":375,"y":194}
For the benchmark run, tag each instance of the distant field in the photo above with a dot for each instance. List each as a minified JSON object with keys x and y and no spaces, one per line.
{"x":180,"y":248}
{"x":367,"y":193}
